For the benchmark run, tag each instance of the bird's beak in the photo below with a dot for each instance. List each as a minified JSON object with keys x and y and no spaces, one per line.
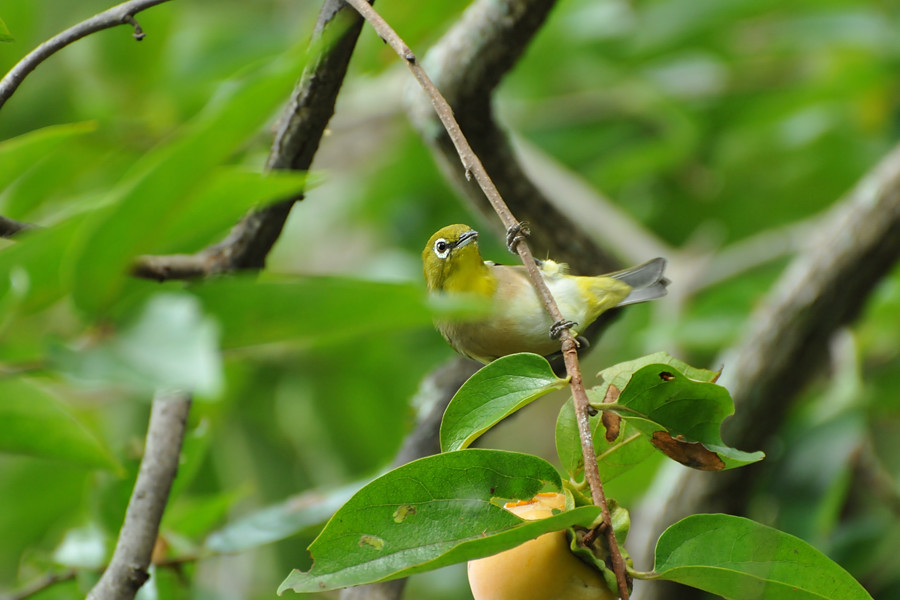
{"x":466,"y":237}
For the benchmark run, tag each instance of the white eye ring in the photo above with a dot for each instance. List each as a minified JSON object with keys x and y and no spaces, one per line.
{"x":442,"y":248}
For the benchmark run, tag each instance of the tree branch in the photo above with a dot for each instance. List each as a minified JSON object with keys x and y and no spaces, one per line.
{"x":822,"y":290}
{"x":297,"y":138}
{"x":122,"y":14}
{"x":10,"y":228}
{"x":473,"y":166}
{"x":127,"y":571}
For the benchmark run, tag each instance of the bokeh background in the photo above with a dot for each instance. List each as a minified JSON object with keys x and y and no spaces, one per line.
{"x":718,"y":128}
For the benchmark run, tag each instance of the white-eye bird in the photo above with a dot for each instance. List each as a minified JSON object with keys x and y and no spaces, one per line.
{"x":518,"y":322}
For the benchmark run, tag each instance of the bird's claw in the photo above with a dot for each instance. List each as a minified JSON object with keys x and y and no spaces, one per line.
{"x":516,"y":234}
{"x":557,"y":328}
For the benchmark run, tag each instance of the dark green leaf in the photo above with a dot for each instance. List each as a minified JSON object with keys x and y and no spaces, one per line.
{"x":431,"y":513}
{"x":682,"y":417}
{"x":35,"y":423}
{"x":493,"y":393}
{"x":313,"y":308}
{"x":740,"y":559}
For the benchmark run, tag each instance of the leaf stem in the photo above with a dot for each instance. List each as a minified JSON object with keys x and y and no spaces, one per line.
{"x":474,"y":167}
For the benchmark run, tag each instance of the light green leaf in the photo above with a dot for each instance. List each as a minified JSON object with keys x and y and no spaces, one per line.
{"x":156,"y":193}
{"x":222,"y":200}
{"x":171,"y":344}
{"x":430,"y":513}
{"x":29,"y":269}
{"x":628,"y":450}
{"x":493,"y":393}
{"x":36,"y":423}
{"x":279,"y":521}
{"x":740,"y":559}
{"x":19,"y":153}
{"x":309,"y":309}
{"x":5,"y":36}
{"x":682,"y":417}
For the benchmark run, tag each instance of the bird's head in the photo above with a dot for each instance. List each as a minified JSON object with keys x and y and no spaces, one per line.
{"x":451,"y":259}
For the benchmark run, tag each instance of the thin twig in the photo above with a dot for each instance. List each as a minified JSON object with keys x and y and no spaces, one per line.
{"x":127,"y":571}
{"x":473,"y":166}
{"x":39,"y":585}
{"x":122,"y":14}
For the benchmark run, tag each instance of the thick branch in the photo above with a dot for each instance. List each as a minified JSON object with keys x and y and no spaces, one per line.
{"x":127,"y":571}
{"x":472,"y":165}
{"x":122,"y":14}
{"x":822,"y":290}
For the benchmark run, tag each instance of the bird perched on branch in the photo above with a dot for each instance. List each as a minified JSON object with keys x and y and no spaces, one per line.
{"x":518,"y":321}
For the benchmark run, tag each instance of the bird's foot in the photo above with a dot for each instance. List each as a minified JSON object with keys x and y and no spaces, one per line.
{"x":515,"y":234}
{"x":557,"y":328}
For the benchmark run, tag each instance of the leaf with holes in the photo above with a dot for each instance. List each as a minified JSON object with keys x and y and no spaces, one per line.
{"x":430,"y":513}
{"x":682,"y":417}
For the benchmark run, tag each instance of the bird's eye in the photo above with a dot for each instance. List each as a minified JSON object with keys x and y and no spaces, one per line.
{"x":442,"y":248}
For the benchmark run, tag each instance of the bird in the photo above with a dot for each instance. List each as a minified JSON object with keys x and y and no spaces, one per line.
{"x":517,"y":320}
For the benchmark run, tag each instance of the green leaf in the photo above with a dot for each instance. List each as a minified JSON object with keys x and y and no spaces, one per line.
{"x":156,"y":193}
{"x":740,"y":559}
{"x":223,"y":199}
{"x":29,"y":269}
{"x":493,"y":393}
{"x":5,"y":36}
{"x":682,"y":417}
{"x":171,"y":344}
{"x":36,"y":423}
{"x":309,"y":309}
{"x":430,"y":513}
{"x":630,"y":447}
{"x":613,"y":458}
{"x":280,"y":521}
{"x":19,"y":153}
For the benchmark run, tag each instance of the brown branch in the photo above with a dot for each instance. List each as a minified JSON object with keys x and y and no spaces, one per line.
{"x":822,"y":290}
{"x":127,"y":571}
{"x":122,"y":14}
{"x":473,"y":165}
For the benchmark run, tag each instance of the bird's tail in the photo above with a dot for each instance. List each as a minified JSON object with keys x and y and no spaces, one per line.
{"x":647,"y":281}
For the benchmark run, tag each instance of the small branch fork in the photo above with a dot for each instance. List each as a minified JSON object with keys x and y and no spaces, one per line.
{"x":121,"y":14}
{"x":473,"y":167}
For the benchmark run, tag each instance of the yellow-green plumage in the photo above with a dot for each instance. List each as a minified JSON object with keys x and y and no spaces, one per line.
{"x":453,"y":265}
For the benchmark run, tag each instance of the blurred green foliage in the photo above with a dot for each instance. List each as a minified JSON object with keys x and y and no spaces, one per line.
{"x":708,"y":122}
